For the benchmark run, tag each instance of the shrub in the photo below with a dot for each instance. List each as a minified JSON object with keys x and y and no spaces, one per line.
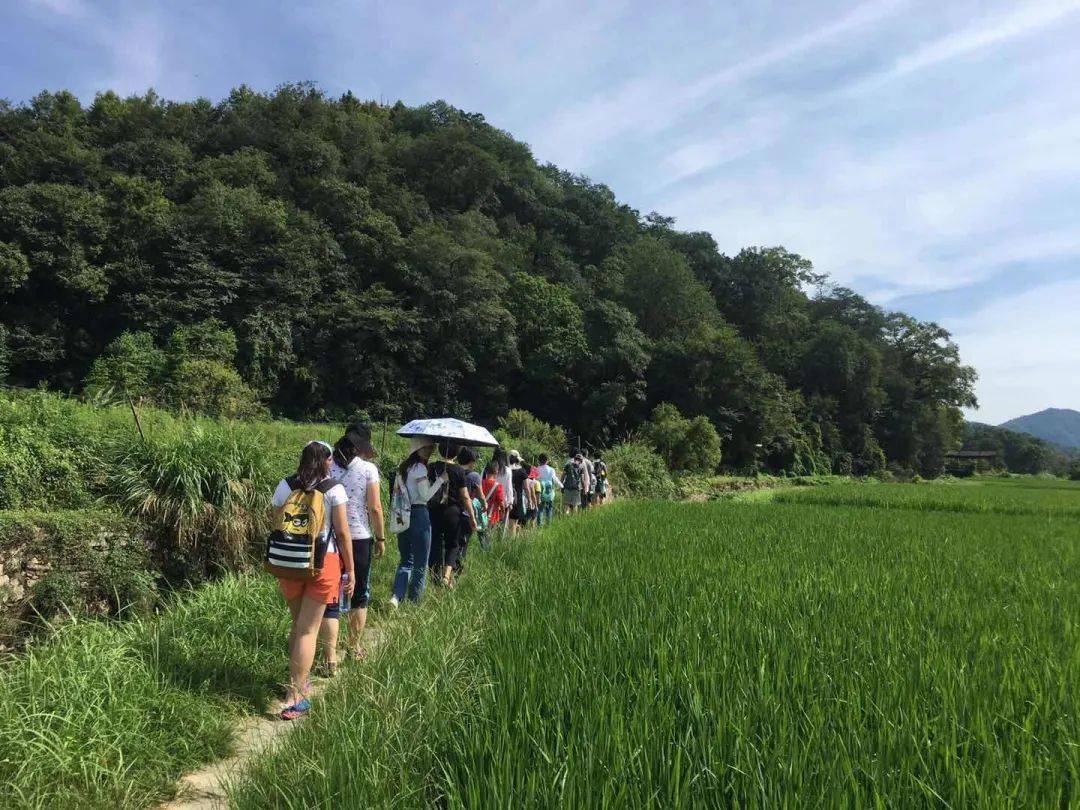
{"x":44,"y":461}
{"x":213,"y":389}
{"x":131,"y":365}
{"x":692,"y":445}
{"x":57,"y":593}
{"x":522,"y":431}
{"x":636,"y":471}
{"x":1074,"y":471}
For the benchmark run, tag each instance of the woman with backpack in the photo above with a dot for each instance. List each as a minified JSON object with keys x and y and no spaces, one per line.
{"x":353,"y":468}
{"x":414,"y":485}
{"x":309,"y":503}
{"x":451,"y":516}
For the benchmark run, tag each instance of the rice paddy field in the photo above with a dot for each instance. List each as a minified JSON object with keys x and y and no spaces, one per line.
{"x":920,"y":647}
{"x":852,"y":645}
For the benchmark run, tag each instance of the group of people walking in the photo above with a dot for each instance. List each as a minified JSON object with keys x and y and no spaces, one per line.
{"x":437,"y":507}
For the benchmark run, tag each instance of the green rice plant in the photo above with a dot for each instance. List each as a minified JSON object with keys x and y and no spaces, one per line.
{"x":1009,"y":496}
{"x":717,"y":654}
{"x":109,"y":715}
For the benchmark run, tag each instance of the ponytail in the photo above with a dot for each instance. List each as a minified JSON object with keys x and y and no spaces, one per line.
{"x":345,"y":450}
{"x":312,"y":467}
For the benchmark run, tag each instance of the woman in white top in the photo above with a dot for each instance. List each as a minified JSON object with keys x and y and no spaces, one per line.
{"x":353,"y":469}
{"x":414,"y":544}
{"x":505,"y":476}
{"x":307,"y":599}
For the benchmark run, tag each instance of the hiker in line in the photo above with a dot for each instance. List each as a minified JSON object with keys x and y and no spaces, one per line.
{"x":310,"y":494}
{"x":588,"y":484}
{"x":466,"y":459}
{"x":504,"y":475}
{"x":601,"y":480}
{"x":532,"y":490}
{"x":520,"y":504}
{"x":573,"y":483}
{"x":495,"y":497}
{"x":548,"y":480}
{"x":413,"y":487}
{"x":451,"y":515}
{"x":353,"y":468}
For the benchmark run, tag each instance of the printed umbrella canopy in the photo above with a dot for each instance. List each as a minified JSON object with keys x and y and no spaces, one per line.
{"x":450,"y":429}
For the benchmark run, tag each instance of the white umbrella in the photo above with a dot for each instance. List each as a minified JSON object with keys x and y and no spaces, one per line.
{"x":453,"y":430}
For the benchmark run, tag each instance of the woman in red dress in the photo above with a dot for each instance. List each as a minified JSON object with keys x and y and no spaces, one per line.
{"x":496,"y":497}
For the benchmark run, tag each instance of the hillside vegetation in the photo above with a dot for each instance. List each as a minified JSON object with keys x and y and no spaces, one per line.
{"x":310,"y":257}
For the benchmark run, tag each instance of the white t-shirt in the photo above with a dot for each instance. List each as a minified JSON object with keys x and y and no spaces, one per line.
{"x":335,"y":496}
{"x":356,"y":478}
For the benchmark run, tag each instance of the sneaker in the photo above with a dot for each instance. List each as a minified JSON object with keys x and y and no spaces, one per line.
{"x":394,"y":602}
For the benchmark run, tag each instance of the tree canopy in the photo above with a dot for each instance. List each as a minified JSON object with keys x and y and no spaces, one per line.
{"x":323,"y":255}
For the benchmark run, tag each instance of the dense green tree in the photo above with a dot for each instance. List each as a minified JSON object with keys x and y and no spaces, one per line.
{"x":328,"y":256}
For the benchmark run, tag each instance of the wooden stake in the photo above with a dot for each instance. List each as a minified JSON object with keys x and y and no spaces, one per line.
{"x":135,"y":413}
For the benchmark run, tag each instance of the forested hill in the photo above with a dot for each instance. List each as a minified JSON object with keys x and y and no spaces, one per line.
{"x":321,"y":256}
{"x":1056,"y":425}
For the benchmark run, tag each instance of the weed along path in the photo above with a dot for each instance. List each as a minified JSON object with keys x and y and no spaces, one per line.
{"x":255,"y":736}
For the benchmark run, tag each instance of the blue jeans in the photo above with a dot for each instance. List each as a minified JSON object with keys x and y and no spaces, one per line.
{"x":414,"y":545}
{"x":544,"y":513}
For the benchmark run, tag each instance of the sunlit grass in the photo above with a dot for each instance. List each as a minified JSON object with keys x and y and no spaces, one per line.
{"x":701,"y":655}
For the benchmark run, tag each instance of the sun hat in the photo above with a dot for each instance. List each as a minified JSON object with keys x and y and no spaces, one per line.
{"x":514,"y":456}
{"x":420,"y":442}
{"x":534,"y":472}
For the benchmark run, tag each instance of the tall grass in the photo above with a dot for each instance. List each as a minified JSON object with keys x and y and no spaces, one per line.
{"x":704,"y":655}
{"x":205,"y":490}
{"x":109,"y":715}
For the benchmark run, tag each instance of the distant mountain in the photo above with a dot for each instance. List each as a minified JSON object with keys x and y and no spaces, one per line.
{"x":1057,"y":425}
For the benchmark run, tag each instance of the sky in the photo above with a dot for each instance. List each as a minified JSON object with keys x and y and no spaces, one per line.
{"x":925,"y":153}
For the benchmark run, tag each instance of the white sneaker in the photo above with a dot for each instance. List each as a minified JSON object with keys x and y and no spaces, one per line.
{"x":394,"y":602}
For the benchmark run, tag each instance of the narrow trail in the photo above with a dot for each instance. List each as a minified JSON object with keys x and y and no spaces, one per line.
{"x":253,"y":736}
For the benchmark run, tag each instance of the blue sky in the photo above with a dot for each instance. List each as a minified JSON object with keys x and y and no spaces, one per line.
{"x":926,"y":153}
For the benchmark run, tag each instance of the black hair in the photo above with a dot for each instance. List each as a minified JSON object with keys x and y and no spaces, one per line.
{"x":542,"y":459}
{"x":489,"y":470}
{"x":466,"y":456}
{"x":499,"y":460}
{"x":448,"y":449}
{"x":345,"y":450}
{"x":312,"y":467}
{"x":413,"y":458}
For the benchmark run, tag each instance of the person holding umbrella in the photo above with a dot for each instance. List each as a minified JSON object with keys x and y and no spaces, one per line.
{"x":439,"y":492}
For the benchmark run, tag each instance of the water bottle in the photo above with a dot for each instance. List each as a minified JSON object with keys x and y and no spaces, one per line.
{"x":343,"y":596}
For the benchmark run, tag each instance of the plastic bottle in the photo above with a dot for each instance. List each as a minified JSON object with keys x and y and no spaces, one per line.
{"x":343,"y":597}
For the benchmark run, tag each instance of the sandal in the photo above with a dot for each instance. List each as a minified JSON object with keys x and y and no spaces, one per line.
{"x":297,"y":710}
{"x":327,"y":669}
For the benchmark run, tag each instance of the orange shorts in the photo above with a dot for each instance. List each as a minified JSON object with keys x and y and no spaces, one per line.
{"x":325,"y":588}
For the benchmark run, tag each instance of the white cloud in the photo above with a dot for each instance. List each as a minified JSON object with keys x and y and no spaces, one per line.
{"x":652,"y":102}
{"x":1026,"y":351}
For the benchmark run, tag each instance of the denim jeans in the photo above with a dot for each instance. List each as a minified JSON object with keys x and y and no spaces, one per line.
{"x":414,"y":545}
{"x":544,"y":513}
